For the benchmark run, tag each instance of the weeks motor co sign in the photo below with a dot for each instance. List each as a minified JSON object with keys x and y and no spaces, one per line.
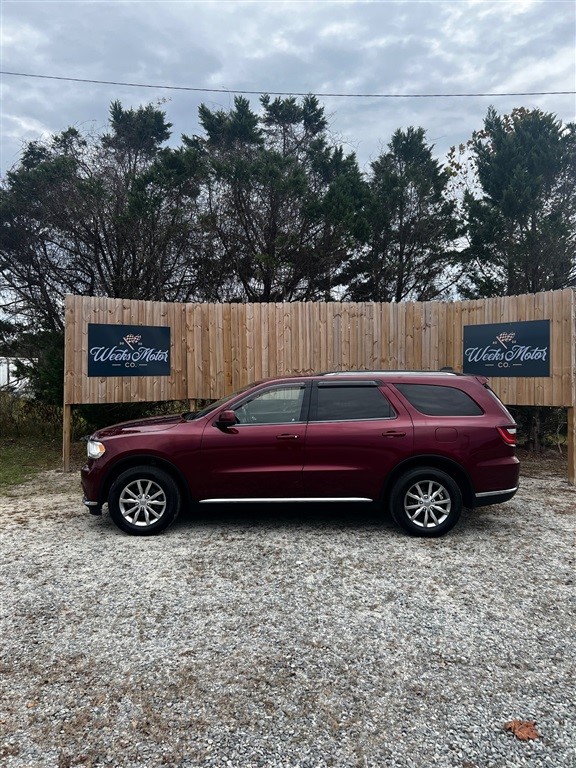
{"x":128,"y":350}
{"x":508,"y":349}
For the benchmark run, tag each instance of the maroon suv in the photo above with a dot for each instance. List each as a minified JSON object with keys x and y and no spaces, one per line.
{"x":422,"y":444}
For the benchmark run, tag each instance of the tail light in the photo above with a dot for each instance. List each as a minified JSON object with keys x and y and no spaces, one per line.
{"x":508,"y":434}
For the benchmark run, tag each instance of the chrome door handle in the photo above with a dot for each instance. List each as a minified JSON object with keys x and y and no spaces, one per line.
{"x":287,"y":437}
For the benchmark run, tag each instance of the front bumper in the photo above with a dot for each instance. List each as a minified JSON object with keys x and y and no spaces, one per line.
{"x":93,"y":506}
{"x":90,"y":483}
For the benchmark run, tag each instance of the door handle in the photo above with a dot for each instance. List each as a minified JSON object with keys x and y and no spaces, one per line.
{"x":287,"y":437}
{"x":393,"y":433}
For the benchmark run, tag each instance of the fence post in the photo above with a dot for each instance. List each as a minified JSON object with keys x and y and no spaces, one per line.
{"x":66,"y":436}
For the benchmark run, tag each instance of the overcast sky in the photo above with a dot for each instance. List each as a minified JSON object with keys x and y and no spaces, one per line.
{"x":321,"y":46}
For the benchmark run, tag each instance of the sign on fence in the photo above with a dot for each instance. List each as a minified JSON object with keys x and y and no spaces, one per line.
{"x":508,"y":349}
{"x":128,"y":350}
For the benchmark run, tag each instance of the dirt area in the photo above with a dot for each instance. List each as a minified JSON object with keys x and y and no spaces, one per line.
{"x":301,"y":639}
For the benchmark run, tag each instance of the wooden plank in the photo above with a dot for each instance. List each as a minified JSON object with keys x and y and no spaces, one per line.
{"x":505,"y":315}
{"x":455,"y":352}
{"x":84,"y":313}
{"x":234,"y":351}
{"x":70,"y":365}
{"x":548,"y":389}
{"x":570,"y":384}
{"x":180,"y":374}
{"x":336,"y":361}
{"x":265,"y":339}
{"x":570,"y":364}
{"x":391,"y":314}
{"x":413,"y":339}
{"x":399,"y":324}
{"x":103,"y":316}
{"x":353,"y":335}
{"x":439,"y":356}
{"x":329,"y":341}
{"x":315,"y":335}
{"x":192,"y":368}
{"x":248,"y":374}
{"x":286,"y":323}
{"x":427,"y":339}
{"x":150,"y":387}
{"x":375,"y":353}
{"x":563,"y":351}
{"x":345,"y":338}
{"x":389,"y":331}
{"x":567,"y":333}
{"x":203,"y":311}
{"x":276,"y":338}
{"x":303,"y":364}
{"x":522,"y":396}
{"x":361,"y":322}
{"x":202,"y":339}
{"x":257,"y":341}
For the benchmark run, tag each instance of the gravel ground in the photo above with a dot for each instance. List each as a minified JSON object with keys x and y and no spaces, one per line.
{"x":280,"y":639}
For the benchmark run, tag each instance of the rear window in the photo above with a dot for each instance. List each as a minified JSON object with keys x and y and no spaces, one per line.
{"x":436,"y":400}
{"x":500,"y":403}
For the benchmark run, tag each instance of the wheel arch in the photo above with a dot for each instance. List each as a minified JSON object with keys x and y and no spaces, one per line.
{"x":452,"y":468}
{"x":150,"y":460}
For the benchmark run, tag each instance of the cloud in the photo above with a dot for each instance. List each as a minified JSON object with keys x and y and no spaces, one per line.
{"x":323,"y":46}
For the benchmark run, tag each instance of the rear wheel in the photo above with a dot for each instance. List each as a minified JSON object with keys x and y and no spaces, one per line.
{"x":426,"y":502}
{"x":144,"y":501}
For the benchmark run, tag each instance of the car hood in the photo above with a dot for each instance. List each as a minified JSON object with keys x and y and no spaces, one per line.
{"x":152,"y":424}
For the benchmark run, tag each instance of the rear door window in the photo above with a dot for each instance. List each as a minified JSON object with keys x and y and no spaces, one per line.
{"x":435,"y":400}
{"x":350,"y":402}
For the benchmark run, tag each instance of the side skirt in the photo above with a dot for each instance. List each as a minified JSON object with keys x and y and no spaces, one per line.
{"x":287,"y":500}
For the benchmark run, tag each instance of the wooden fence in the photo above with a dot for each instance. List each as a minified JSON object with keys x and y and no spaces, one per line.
{"x":217,"y":348}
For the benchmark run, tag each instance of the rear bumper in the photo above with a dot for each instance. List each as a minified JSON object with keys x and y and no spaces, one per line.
{"x":496,"y":480}
{"x":494,"y":497}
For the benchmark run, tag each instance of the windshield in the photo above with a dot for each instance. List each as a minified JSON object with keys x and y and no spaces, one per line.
{"x":213,"y":406}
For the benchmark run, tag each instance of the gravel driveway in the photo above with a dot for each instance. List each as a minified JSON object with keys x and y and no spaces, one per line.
{"x":284,"y":638}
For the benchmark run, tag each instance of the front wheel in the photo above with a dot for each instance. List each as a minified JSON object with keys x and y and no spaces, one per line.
{"x":426,"y":502}
{"x":143,"y":501}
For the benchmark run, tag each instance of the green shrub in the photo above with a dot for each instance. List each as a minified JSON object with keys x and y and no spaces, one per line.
{"x":23,"y":417}
{"x":540,"y":427}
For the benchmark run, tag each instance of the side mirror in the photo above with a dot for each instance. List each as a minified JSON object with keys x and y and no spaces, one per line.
{"x":226,"y":419}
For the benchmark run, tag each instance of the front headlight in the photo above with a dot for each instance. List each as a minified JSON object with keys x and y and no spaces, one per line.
{"x":95,"y":449}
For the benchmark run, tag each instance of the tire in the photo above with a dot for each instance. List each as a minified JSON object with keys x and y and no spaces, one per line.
{"x":426,"y":502}
{"x":144,"y":501}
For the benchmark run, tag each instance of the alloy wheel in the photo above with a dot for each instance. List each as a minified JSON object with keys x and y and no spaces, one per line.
{"x":142,"y":502}
{"x":427,"y":503}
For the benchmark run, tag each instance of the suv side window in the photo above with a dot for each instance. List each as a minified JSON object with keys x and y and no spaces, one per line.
{"x":351,"y":403}
{"x":273,"y":406}
{"x":434,"y":400}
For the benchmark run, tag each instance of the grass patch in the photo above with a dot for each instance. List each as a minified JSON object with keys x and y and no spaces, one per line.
{"x":22,"y":458}
{"x":30,"y":439}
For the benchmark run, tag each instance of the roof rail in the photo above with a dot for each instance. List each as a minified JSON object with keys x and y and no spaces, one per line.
{"x":442,"y":372}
